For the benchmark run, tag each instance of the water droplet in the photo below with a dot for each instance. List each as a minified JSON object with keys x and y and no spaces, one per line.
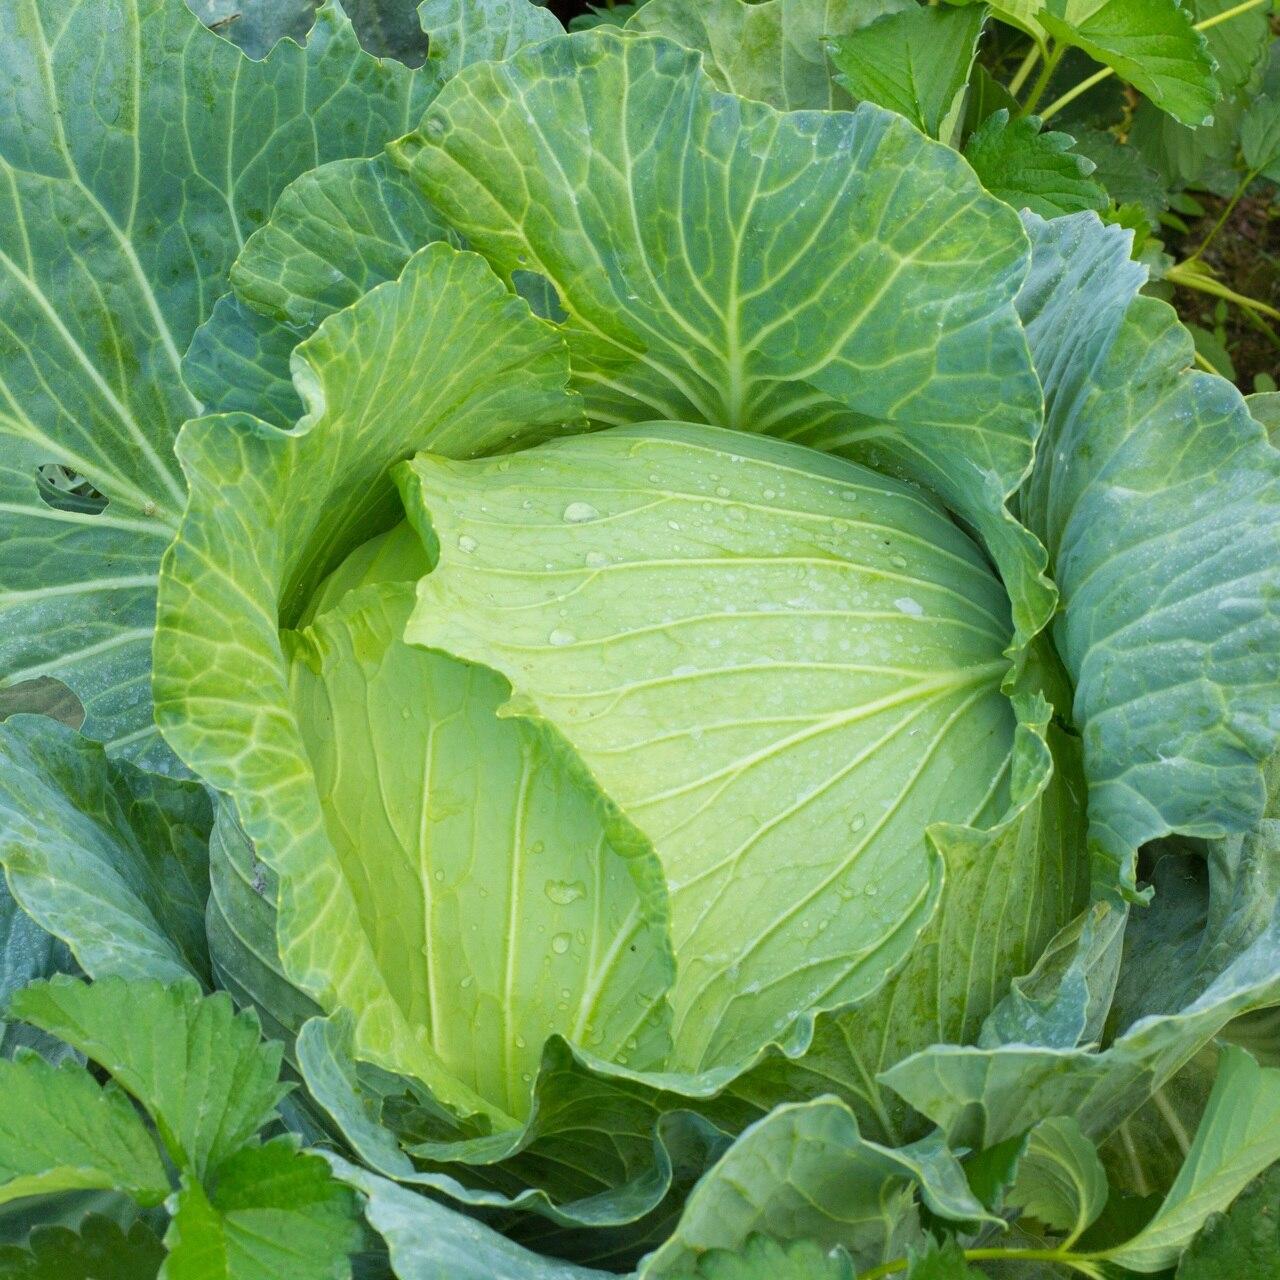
{"x":913,"y":608}
{"x":857,"y":822}
{"x":565,"y":892}
{"x":898,"y":561}
{"x":466,"y":543}
{"x":722,"y":491}
{"x":671,"y":524}
{"x":580,"y":512}
{"x":560,"y":943}
{"x":466,"y":982}
{"x":596,"y":560}
{"x":437,"y":875}
{"x":561,"y":637}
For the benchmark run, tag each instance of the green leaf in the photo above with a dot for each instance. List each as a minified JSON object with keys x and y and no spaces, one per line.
{"x":1238,"y":1137}
{"x":1260,"y":136}
{"x":762,"y":1258}
{"x":916,"y":62}
{"x":271,"y":514}
{"x":532,"y":919}
{"x":1158,"y":497}
{"x":198,"y":1067}
{"x":241,"y":925}
{"x":940,"y":1262}
{"x":1063,"y":1001}
{"x":805,"y":1172}
{"x":1150,"y":43}
{"x":61,"y":1131}
{"x":1030,"y":169}
{"x":1060,"y":1180}
{"x":97,"y":1250}
{"x":111,"y":860}
{"x":26,"y":952}
{"x":656,"y":566}
{"x":816,"y":300}
{"x":1237,"y":46}
{"x":1146,"y":1152}
{"x":429,"y":1242}
{"x":137,"y":150}
{"x":1245,"y":1241}
{"x":772,"y":51}
{"x":1122,"y":171}
{"x":273,"y":1211}
{"x":1005,"y":891}
{"x":981,"y":1097}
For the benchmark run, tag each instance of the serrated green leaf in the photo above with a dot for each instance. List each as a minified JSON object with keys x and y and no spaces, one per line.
{"x":1260,"y":136}
{"x":1030,"y":169}
{"x":944,"y":1261}
{"x":127,"y":193}
{"x":272,"y":1212}
{"x":915,"y":62}
{"x":1060,"y":1180}
{"x":97,"y":1250}
{"x":720,"y":761}
{"x":1238,"y":1137}
{"x":1150,"y":43}
{"x":61,"y":1131}
{"x":807,"y":304}
{"x":1245,"y":1241}
{"x":762,"y":1258}
{"x":199,"y":1068}
{"x":112,"y":860}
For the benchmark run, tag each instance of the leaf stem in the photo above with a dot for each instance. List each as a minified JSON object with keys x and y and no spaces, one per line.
{"x":1049,"y":66}
{"x":1226,"y":213}
{"x":1202,"y":283}
{"x":1025,"y":68}
{"x":1082,"y":1262}
{"x":1098,"y":76}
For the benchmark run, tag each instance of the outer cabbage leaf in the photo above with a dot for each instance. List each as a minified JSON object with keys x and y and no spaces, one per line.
{"x":805,"y":1172}
{"x":772,"y":51}
{"x":1158,"y":497}
{"x":271,"y":514}
{"x":108,"y":858}
{"x":781,"y":666}
{"x":429,"y":1242}
{"x":127,"y":193}
{"x":1238,"y":1137}
{"x":834,"y":278}
{"x":579,"y":1192}
{"x":982,"y":1097}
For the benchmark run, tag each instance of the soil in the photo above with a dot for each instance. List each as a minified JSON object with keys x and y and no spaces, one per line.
{"x":1245,"y":256}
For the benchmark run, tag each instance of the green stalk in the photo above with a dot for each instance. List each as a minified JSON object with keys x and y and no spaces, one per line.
{"x":1024,"y":69}
{"x":1226,"y":213}
{"x":1081,"y":1262}
{"x":1049,"y":66}
{"x":1201,"y":283}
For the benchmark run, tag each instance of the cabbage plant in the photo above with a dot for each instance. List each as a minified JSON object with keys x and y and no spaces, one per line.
{"x":688,"y":613}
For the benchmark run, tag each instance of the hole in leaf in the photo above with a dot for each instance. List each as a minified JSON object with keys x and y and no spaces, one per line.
{"x":67,"y":490}
{"x":43,"y":696}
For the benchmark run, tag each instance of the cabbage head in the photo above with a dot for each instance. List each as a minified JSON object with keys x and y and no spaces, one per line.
{"x":689,"y":612}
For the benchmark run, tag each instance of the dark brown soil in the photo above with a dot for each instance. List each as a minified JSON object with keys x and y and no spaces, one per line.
{"x":1245,"y":256}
